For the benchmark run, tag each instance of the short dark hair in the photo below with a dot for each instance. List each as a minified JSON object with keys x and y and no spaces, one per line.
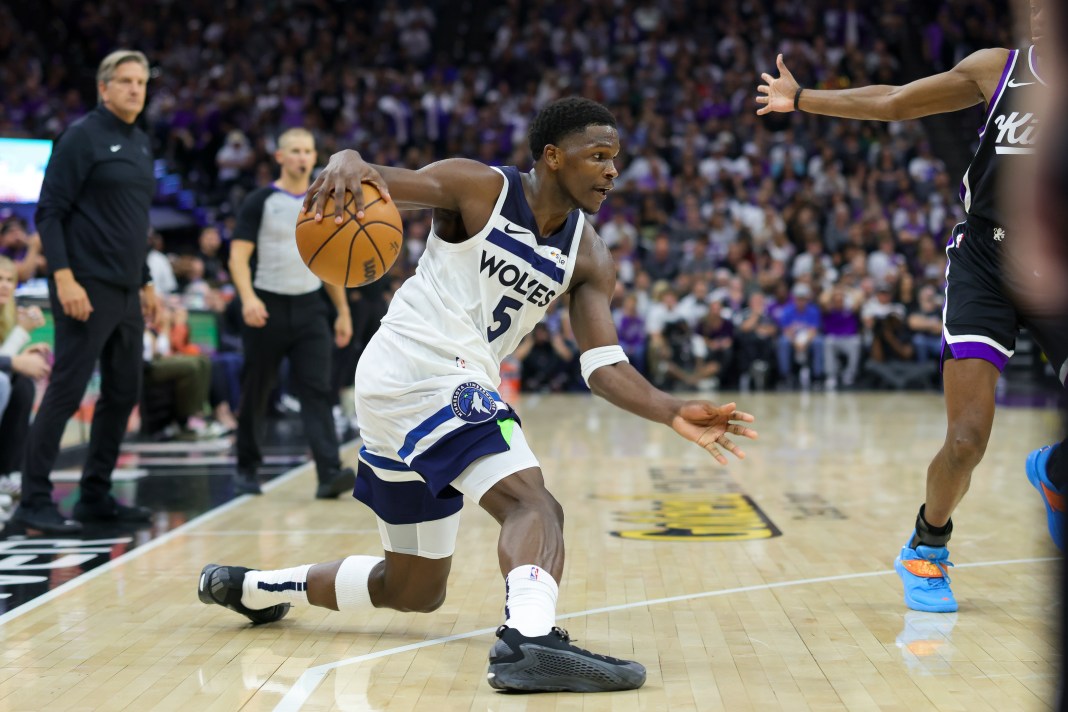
{"x":563,"y":117}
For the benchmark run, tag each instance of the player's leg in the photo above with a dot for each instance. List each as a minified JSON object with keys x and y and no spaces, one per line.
{"x":411,"y":577}
{"x":979,"y":334}
{"x":924,"y":560}
{"x":969,"y":393}
{"x":531,"y":653}
{"x":1047,"y":466}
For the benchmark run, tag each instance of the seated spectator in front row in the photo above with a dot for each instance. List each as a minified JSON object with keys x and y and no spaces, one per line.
{"x":926,"y":325}
{"x":841,"y":336}
{"x":543,"y":357}
{"x":188,"y":378}
{"x":631,"y":330}
{"x":20,"y":366}
{"x":23,"y":249}
{"x":755,"y":342}
{"x":800,"y":340}
{"x":718,"y":333}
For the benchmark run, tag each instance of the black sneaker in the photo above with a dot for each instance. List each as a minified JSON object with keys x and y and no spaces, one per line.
{"x":338,"y":484}
{"x":108,"y":510}
{"x":550,"y":663}
{"x":45,"y":519}
{"x":247,"y":482}
{"x":221,"y":585}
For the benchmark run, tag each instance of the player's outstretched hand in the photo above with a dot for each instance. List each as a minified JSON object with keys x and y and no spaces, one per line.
{"x":778,"y":94}
{"x":708,"y":425}
{"x":346,"y":171}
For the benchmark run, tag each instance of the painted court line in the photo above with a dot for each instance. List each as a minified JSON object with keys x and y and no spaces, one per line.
{"x":311,"y":678}
{"x":280,"y":532}
{"x":156,"y":543}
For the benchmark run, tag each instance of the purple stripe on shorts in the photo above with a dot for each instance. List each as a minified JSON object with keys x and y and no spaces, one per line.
{"x":974,"y":349}
{"x":997,"y":92}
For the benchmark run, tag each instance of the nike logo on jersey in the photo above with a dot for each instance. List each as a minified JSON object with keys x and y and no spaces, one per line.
{"x":116,"y":147}
{"x":530,"y":288}
{"x":1013,"y":84}
{"x":508,"y":229}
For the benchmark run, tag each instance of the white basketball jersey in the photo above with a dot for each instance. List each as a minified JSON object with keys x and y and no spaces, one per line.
{"x":474,"y":301}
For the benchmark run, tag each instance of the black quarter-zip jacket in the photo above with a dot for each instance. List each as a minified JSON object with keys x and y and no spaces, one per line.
{"x":93,"y":211}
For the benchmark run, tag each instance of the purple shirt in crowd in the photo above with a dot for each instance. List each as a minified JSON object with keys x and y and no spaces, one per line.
{"x":840,"y":323}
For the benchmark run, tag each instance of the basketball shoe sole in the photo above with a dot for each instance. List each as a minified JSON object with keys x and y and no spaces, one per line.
{"x":221,"y":586}
{"x":550,"y":663}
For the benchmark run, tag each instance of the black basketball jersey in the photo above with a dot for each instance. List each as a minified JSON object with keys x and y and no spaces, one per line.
{"x":1008,"y":134}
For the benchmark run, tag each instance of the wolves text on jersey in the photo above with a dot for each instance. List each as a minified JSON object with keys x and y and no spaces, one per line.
{"x":520,"y":280}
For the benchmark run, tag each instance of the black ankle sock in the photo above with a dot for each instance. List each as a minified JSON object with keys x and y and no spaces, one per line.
{"x":1057,"y":467}
{"x":929,"y":535}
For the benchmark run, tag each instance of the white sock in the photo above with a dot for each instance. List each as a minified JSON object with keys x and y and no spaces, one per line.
{"x":263,"y":589}
{"x":350,"y":584}
{"x":530,"y":600}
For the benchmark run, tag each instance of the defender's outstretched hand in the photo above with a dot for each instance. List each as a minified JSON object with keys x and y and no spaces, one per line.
{"x":779,"y":93}
{"x":708,"y":425}
{"x":346,"y":171}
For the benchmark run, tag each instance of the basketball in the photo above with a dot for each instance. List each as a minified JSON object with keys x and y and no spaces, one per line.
{"x":356,"y":252}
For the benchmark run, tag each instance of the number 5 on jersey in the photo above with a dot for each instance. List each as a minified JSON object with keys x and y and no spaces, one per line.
{"x":501,"y":318}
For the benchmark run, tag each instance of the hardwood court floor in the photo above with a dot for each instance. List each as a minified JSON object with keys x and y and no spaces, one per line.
{"x":729,"y":618}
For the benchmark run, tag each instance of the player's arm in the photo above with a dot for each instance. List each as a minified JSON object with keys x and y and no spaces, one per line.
{"x":972,"y":81}
{"x":611,"y":376}
{"x":456,"y":184}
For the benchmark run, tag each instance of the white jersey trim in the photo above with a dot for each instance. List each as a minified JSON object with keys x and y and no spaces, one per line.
{"x":1032,"y":62}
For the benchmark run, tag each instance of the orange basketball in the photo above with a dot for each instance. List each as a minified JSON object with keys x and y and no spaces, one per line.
{"x":356,"y":252}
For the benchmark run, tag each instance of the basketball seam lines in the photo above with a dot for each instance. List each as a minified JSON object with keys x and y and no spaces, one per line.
{"x":325,"y":243}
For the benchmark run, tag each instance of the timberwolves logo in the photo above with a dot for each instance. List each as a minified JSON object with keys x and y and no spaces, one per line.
{"x":473,"y":403}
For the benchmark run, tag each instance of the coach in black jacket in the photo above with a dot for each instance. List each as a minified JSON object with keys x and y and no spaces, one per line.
{"x":93,"y":221}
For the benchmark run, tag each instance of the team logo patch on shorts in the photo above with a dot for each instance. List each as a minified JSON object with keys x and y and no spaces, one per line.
{"x":473,"y":403}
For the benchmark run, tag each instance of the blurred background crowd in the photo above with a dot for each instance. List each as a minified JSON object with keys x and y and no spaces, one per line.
{"x":782,"y":251}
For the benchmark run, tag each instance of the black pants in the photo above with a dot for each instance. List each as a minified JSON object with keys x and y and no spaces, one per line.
{"x":297,"y":327}
{"x":113,"y":334}
{"x":14,"y":423}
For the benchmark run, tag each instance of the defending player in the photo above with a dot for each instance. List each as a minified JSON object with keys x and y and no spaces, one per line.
{"x":504,"y":245}
{"x":980,"y":318}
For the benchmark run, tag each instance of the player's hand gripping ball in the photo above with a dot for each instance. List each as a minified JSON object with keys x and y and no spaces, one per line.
{"x":356,"y":252}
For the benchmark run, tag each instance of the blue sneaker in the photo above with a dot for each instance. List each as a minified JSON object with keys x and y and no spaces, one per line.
{"x":925,"y":573}
{"x":1054,"y":500}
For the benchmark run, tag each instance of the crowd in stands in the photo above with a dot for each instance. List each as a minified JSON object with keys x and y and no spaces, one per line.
{"x":753,"y":252}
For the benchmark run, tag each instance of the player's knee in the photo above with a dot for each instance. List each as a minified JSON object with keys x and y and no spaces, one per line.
{"x":426,"y":599}
{"x":966,"y":445}
{"x":523,"y":494}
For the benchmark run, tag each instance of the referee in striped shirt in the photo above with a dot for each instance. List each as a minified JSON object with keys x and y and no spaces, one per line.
{"x":285,"y":315}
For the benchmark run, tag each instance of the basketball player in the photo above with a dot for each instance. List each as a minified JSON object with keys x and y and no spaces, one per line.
{"x":504,"y":245}
{"x":980,"y":319}
{"x":285,"y":315}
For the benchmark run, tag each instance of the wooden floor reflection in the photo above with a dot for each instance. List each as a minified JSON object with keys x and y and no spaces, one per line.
{"x":765,"y":586}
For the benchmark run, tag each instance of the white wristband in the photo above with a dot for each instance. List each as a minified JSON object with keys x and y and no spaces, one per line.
{"x":593,"y":359}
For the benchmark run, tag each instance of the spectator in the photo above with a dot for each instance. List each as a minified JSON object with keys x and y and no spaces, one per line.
{"x":187,"y":377}
{"x":24,"y":249}
{"x":631,"y":329}
{"x":800,"y":340}
{"x":159,"y":265}
{"x":925,"y":322}
{"x":20,"y":366}
{"x":755,"y":339}
{"x":717,"y":330}
{"x":841,"y":335}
